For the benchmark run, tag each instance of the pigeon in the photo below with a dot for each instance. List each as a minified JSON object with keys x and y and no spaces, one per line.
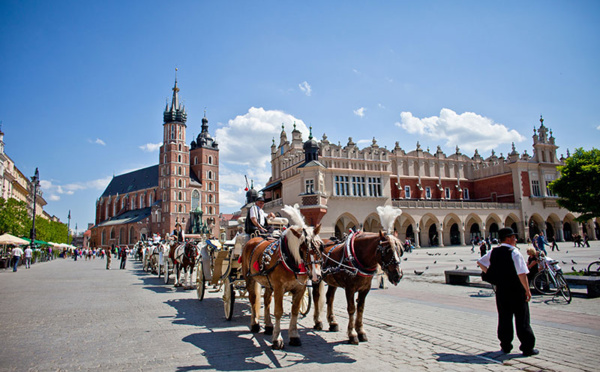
{"x":419,"y":272}
{"x":567,"y":251}
{"x":573,"y":269}
{"x":574,"y":262}
{"x":563,"y":262}
{"x":456,"y":268}
{"x":464,"y":267}
{"x":405,"y":258}
{"x":461,"y":260}
{"x":446,"y":254}
{"x":434,"y":262}
{"x":454,"y":253}
{"x":426,"y":267}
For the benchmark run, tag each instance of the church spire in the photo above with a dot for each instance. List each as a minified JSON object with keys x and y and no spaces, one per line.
{"x":177,"y":111}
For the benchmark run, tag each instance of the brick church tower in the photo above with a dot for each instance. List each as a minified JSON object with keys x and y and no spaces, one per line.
{"x":204,"y":156}
{"x":173,"y":179}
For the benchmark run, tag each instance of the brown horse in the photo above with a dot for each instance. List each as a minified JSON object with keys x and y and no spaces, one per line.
{"x":184,"y":258}
{"x":351,"y":265}
{"x":281,"y":266}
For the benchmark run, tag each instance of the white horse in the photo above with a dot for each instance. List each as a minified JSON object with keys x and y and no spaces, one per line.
{"x":184,"y":258}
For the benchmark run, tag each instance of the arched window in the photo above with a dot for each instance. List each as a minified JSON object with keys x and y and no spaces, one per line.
{"x":180,"y":134}
{"x":196,"y":200}
{"x":112,"y":233}
{"x":150,"y":199}
{"x":122,"y":237}
{"x":209,"y":186}
{"x":103,"y":238}
{"x":133,"y":202}
{"x":195,"y":160}
{"x":172,"y":131}
{"x":210,"y":160}
{"x":180,"y":145}
{"x":164,"y":159}
{"x":164,"y":196}
{"x":180,"y":196}
{"x":141,"y":201}
{"x":180,"y":171}
{"x":209,"y":175}
{"x":210,"y":199}
{"x":209,"y":210}
{"x":180,"y":208}
{"x":131,"y":235}
{"x":179,"y":156}
{"x":180,"y":184}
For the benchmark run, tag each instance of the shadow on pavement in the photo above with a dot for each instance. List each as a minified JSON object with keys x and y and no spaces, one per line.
{"x":229,"y":349}
{"x":483,"y":358}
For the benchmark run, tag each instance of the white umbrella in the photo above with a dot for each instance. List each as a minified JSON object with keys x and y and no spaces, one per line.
{"x":11,"y":239}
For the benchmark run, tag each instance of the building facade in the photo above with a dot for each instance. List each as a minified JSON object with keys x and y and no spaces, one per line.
{"x":445,"y":199}
{"x":182,"y":189}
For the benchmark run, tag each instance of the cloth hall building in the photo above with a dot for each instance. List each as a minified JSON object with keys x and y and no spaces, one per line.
{"x":445,"y":199}
{"x":183,"y":188}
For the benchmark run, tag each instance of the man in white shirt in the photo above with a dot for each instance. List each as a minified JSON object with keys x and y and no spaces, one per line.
{"x":28,"y":255}
{"x":258,"y":218}
{"x":512,"y":292}
{"x":16,"y":253}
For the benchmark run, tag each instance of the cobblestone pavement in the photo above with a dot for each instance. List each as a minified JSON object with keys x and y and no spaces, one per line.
{"x":66,"y":315}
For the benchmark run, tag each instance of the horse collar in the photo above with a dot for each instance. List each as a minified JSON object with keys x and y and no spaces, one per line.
{"x":351,"y":256}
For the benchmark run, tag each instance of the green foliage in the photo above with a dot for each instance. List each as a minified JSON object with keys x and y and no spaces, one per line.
{"x":14,"y":220}
{"x":578,"y":187}
{"x":13,"y":217}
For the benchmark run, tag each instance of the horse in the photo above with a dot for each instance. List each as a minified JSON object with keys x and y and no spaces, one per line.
{"x":184,"y":257}
{"x":282,"y":265}
{"x":351,"y":265}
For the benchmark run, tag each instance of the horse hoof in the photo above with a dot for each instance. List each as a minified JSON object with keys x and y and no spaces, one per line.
{"x":353,"y":340}
{"x":295,"y":341}
{"x":268,"y":330}
{"x":334,"y":327}
{"x":255,"y":328}
{"x":362,"y":337}
{"x":277,"y":345}
{"x":318,"y":326}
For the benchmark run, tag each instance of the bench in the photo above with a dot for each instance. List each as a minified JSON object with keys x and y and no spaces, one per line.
{"x":460,"y":277}
{"x":591,"y":282}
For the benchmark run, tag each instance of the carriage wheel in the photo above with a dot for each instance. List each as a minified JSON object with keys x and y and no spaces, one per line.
{"x":228,"y":298}
{"x":306,"y":302}
{"x":159,"y":268}
{"x":200,"y":281}
{"x":594,"y":268}
{"x":166,"y":265}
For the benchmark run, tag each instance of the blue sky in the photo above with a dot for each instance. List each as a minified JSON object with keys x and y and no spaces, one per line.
{"x":84,"y":83}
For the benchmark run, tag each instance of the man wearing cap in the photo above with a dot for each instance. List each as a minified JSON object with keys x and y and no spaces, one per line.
{"x":512,"y":292}
{"x":257,"y":217}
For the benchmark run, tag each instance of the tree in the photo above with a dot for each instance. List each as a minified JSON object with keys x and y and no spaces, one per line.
{"x":578,"y":188}
{"x":14,"y":218}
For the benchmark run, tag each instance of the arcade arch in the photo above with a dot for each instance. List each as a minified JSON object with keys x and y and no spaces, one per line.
{"x":344,"y":223}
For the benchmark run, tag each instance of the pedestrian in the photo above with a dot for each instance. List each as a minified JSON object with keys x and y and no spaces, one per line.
{"x":108,"y":259}
{"x":554,"y":245}
{"x":509,"y":270}
{"x":542,"y":243}
{"x":16,"y":257}
{"x":532,"y":263}
{"x":123,"y":253}
{"x":28,"y":254}
{"x":585,"y":241}
{"x":482,"y":248}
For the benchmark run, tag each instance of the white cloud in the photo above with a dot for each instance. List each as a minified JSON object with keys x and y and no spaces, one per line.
{"x":468,"y":130}
{"x":364,"y":142}
{"x":360,"y":112}
{"x":598,"y":127}
{"x":305,"y":87}
{"x":380,"y":106}
{"x":244,"y":144}
{"x":100,"y":142}
{"x":150,"y":147}
{"x":55,"y":190}
{"x":355,"y":71}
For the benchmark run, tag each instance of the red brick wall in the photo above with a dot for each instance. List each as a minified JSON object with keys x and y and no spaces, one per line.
{"x":414,"y":191}
{"x":501,"y":185}
{"x":525,"y":183}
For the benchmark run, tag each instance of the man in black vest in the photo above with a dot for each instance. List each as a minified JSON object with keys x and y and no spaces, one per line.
{"x":512,"y":292}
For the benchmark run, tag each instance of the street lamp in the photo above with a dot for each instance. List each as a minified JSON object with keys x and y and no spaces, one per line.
{"x":35,"y":180}
{"x":68,"y":225}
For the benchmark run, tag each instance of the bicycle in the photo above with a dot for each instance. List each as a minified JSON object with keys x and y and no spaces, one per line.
{"x":594,"y":268}
{"x":550,"y":280}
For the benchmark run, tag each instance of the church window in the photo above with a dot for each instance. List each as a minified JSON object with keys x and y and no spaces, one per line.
{"x":180,"y":196}
{"x":209,"y":210}
{"x":180,"y":134}
{"x":209,"y":175}
{"x":195,"y":200}
{"x":103,"y":238}
{"x":428,"y":192}
{"x":106,"y":210}
{"x":112,"y":233}
{"x":210,"y":160}
{"x":447,"y":193}
{"x":180,"y":184}
{"x":466,"y":194}
{"x":210,"y":198}
{"x":142,"y":201}
{"x":114,"y":212}
{"x":150,"y":201}
{"x":180,"y":208}
{"x":179,"y":158}
{"x":133,"y":202}
{"x":407,"y":192}
{"x":535,"y":187}
{"x":209,"y":186}
{"x":180,"y":171}
{"x":164,"y":198}
{"x":164,"y":160}
{"x":173,"y":132}
{"x":179,"y":144}
{"x":195,"y":160}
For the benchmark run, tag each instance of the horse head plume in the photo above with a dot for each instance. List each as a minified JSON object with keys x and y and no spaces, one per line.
{"x":387,"y":216}
{"x":296,"y":216}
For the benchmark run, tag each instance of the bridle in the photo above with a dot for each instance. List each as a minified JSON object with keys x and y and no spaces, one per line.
{"x":383,"y":247}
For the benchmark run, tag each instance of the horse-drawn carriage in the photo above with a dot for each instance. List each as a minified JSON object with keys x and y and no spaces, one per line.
{"x":220,"y":267}
{"x":180,"y":256}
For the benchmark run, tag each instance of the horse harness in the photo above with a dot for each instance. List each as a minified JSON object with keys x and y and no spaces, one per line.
{"x":353,"y":266}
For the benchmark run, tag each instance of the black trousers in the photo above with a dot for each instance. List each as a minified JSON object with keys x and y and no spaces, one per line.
{"x":510,"y":305}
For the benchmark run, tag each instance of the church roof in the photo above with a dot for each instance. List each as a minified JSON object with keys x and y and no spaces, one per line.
{"x":140,"y":179}
{"x":128,"y":217}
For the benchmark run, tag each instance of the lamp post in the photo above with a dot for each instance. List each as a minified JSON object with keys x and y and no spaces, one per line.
{"x":35,"y":180}
{"x":68,"y":225}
